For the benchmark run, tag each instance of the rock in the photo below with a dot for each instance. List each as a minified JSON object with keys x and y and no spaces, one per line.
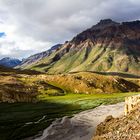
{"x":108,"y":118}
{"x":123,"y":128}
{"x":131,"y":102}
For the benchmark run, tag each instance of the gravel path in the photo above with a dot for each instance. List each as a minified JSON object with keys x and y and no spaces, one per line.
{"x":83,"y":125}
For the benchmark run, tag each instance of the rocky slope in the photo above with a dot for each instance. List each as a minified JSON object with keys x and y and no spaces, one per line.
{"x":9,"y":62}
{"x":106,"y":47}
{"x":123,"y":128}
{"x":28,"y":62}
{"x":89,"y":83}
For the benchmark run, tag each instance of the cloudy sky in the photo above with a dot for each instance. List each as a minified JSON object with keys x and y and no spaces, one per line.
{"x":31,"y":26}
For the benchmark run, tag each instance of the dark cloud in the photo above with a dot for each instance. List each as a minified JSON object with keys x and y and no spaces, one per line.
{"x":58,"y":20}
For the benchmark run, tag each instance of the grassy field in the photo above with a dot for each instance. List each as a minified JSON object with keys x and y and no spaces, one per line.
{"x":84,"y":101}
{"x":15,"y":118}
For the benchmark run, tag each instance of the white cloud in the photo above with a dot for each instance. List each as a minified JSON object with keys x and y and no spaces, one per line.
{"x":19,"y":45}
{"x":135,"y":1}
{"x":34,"y":25}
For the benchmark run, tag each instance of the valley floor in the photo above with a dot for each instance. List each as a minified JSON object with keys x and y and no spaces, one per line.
{"x":22,"y":120}
{"x":82,"y":125}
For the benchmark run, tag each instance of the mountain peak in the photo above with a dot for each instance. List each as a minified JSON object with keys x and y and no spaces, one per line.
{"x":6,"y":58}
{"x":105,"y":23}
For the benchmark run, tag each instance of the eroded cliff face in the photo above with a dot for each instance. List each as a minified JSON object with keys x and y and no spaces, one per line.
{"x":123,"y":128}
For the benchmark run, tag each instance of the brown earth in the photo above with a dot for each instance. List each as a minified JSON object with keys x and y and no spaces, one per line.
{"x":124,"y":128}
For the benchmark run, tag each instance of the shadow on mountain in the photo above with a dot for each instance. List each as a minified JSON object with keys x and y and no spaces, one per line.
{"x":124,"y":75}
{"x":4,"y":71}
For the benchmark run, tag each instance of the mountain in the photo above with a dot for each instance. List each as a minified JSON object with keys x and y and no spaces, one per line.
{"x":35,"y":58}
{"x":107,"y":46}
{"x":9,"y":62}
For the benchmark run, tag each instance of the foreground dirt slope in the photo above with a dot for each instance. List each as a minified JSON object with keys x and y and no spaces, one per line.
{"x":124,"y":128}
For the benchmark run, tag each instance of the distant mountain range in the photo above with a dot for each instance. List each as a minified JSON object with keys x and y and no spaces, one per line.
{"x":107,"y":46}
{"x":9,"y":62}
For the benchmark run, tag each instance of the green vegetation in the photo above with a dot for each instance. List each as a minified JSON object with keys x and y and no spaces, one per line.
{"x":13,"y":117}
{"x":31,"y":101}
{"x":86,"y":101}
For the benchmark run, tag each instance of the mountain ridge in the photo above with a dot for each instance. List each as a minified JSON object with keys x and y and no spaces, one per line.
{"x":107,"y":46}
{"x":9,"y":62}
{"x":36,"y":57}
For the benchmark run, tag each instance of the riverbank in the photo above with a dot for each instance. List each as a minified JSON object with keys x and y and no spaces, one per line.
{"x":82,"y":125}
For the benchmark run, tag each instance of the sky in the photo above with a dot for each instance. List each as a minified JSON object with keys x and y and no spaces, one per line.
{"x":31,"y":26}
